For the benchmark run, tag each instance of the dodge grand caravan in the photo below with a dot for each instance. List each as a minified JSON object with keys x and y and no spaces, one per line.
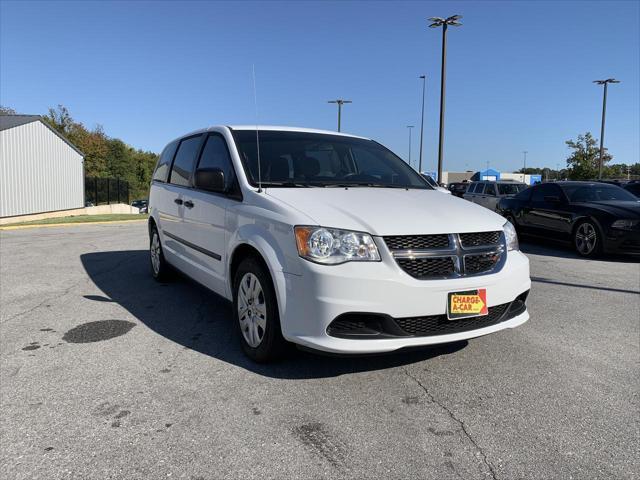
{"x":330,"y":241}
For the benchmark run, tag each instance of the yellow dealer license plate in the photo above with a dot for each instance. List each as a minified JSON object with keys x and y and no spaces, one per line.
{"x":471,"y":303}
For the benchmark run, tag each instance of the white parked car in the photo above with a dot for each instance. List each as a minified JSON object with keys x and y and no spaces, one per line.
{"x":331,"y":242}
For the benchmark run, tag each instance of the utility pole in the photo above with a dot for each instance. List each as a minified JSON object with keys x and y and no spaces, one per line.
{"x":444,"y":23}
{"x":340,"y":102}
{"x":410,"y":127}
{"x":524,"y":169}
{"x":424,"y":86}
{"x":604,"y":110}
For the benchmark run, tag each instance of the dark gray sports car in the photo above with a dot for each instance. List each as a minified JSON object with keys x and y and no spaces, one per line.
{"x":594,"y":217}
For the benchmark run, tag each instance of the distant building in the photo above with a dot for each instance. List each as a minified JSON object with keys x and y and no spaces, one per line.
{"x":455,"y":177}
{"x":40,"y":170}
{"x":489,"y":174}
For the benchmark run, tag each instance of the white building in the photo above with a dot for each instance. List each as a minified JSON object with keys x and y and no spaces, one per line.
{"x":40,"y":171}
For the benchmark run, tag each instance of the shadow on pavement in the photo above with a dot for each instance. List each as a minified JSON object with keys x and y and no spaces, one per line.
{"x":549,"y":248}
{"x":190,"y":315}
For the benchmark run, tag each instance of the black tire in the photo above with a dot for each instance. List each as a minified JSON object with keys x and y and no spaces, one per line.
{"x":261,"y":337}
{"x":587,"y":239}
{"x":160,"y":269}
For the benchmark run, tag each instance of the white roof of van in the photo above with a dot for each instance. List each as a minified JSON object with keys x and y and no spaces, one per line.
{"x":291,"y":129}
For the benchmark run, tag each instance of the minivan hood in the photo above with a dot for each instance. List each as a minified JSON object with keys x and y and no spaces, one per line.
{"x":388,"y":211}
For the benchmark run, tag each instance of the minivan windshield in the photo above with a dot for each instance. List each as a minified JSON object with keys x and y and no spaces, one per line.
{"x":303,"y":159}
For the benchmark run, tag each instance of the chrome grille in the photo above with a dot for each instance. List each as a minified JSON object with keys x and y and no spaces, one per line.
{"x":480,"y":238}
{"x":448,"y":255}
{"x":428,"y":267}
{"x":410,"y":242}
{"x":479,"y":263}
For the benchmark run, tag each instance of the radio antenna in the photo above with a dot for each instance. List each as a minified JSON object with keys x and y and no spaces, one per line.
{"x":255,"y":101}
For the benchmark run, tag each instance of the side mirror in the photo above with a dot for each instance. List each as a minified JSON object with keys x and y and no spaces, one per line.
{"x":211,"y":179}
{"x":552,"y":199}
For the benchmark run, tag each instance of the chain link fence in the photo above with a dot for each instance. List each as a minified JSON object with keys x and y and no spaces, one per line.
{"x":104,"y":191}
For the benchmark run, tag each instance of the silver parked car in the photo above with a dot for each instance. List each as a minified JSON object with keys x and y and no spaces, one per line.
{"x":488,"y":193}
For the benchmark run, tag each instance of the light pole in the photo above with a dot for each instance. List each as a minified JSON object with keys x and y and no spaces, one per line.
{"x":424,"y":86}
{"x":340,"y":102}
{"x":524,"y":169}
{"x":444,"y":23}
{"x":604,"y":110}
{"x":410,"y":127}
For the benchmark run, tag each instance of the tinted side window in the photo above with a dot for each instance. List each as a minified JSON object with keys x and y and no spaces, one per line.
{"x":216,"y":155}
{"x":164,"y":162}
{"x":490,"y":189}
{"x":524,"y":195}
{"x":479,"y":188}
{"x":541,"y":191}
{"x":185,"y":158}
{"x":634,"y":188}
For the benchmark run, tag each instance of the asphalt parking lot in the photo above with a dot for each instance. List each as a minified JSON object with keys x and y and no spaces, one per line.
{"x":159,"y":387}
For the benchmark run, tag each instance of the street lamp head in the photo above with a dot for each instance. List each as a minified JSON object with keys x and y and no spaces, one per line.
{"x":453,"y":20}
{"x":608,"y":80}
{"x":438,"y":21}
{"x":422,"y":76}
{"x":339,"y":101}
{"x":410,"y":126}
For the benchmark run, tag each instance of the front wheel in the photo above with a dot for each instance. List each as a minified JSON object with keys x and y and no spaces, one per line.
{"x":586,"y":239}
{"x":255,"y":311}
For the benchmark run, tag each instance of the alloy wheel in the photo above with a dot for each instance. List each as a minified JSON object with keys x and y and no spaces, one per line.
{"x":586,"y":238}
{"x":155,"y":253}
{"x":252,"y":310}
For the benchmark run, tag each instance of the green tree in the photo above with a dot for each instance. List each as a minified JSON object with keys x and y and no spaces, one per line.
{"x":6,"y":110}
{"x":583,"y":162}
{"x":105,"y":156}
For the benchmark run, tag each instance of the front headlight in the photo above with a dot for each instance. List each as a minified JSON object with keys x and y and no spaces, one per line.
{"x":331,"y":246}
{"x":511,"y":236}
{"x":625,"y":224}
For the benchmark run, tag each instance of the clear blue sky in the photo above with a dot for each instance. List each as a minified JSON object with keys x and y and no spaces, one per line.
{"x":519,"y":73}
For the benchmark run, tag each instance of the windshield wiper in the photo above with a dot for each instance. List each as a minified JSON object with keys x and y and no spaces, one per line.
{"x":366,"y":184}
{"x":289,"y":184}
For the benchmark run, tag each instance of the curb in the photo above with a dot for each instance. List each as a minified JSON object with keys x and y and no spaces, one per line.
{"x":47,"y":225}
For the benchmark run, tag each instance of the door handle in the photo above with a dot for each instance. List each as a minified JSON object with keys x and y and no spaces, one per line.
{"x":188,"y":204}
{"x":178,"y":201}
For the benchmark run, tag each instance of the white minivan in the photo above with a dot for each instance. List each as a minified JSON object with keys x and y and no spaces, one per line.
{"x":331,"y":242}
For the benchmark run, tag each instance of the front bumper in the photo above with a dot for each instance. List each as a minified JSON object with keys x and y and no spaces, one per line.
{"x":311,"y":301}
{"x":622,"y":241}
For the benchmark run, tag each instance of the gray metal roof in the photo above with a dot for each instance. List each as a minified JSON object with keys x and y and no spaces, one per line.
{"x":11,"y":121}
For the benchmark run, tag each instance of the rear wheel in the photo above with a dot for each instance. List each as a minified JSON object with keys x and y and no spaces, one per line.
{"x":586,"y":239}
{"x":160,"y":269}
{"x":255,"y":311}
